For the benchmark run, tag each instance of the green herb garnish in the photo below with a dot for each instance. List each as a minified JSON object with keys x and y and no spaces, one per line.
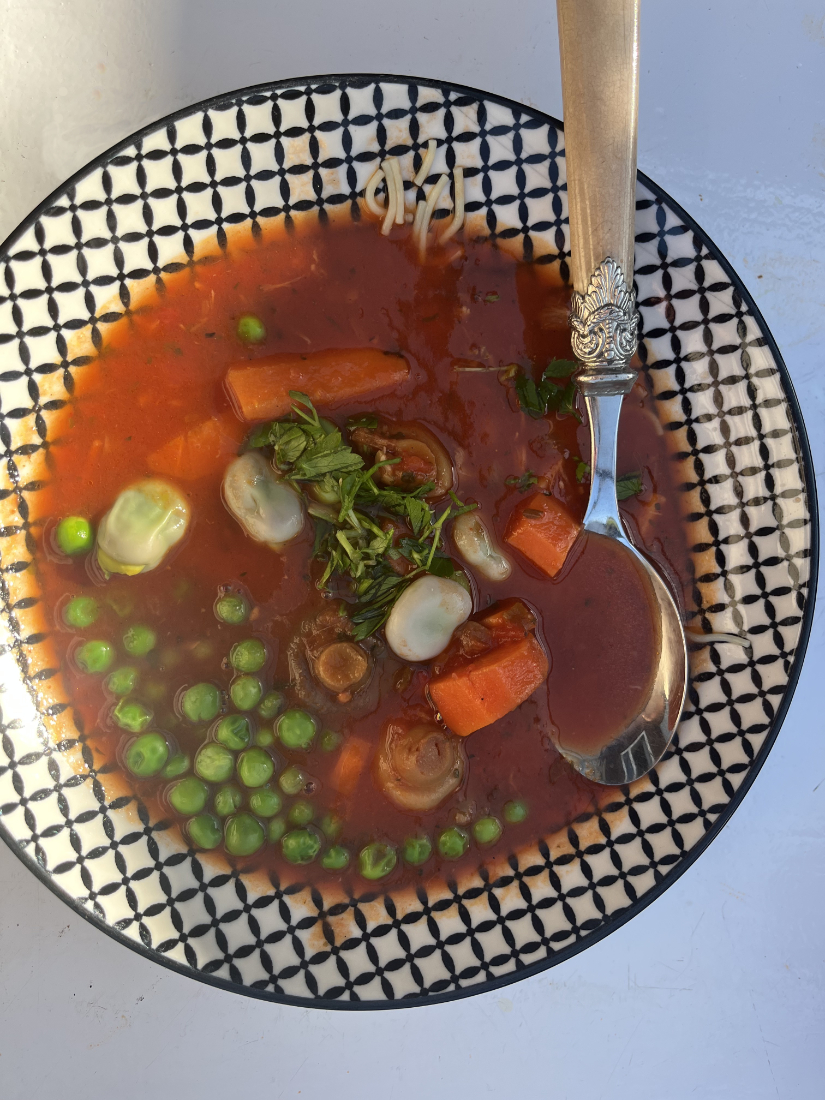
{"x":548,"y":395}
{"x":522,"y":483}
{"x":359,"y":522}
{"x":628,"y":485}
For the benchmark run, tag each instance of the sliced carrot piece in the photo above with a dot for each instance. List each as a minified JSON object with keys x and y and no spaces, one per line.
{"x":543,"y":530}
{"x":350,"y":764}
{"x":485,"y":689}
{"x":508,"y":620}
{"x":199,"y":451}
{"x":260,"y":389}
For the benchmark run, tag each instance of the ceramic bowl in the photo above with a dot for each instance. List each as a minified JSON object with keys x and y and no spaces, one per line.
{"x":234,"y":164}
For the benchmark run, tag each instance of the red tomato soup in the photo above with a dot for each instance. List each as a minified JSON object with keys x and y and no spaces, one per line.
{"x":305,"y":666}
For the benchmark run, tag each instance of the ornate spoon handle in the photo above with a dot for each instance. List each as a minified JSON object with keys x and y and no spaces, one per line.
{"x":599,"y":42}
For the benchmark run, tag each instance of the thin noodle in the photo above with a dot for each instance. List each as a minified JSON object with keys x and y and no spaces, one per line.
{"x":717,"y":639}
{"x":426,"y":163}
{"x":432,"y":199}
{"x":399,"y":191}
{"x":389,"y":217}
{"x":370,"y":200}
{"x":458,"y":216}
{"x":420,"y":207}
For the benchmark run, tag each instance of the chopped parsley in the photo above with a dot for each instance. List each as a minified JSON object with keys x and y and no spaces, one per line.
{"x":373,"y":541}
{"x":522,"y":483}
{"x":551,"y":394}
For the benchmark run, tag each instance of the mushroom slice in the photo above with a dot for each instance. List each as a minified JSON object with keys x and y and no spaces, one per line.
{"x":269,"y":510}
{"x":144,"y":523}
{"x":420,"y":456}
{"x":342,"y":667}
{"x":418,"y":763}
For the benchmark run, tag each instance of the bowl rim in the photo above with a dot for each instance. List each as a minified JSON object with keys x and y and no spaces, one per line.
{"x":806,"y":625}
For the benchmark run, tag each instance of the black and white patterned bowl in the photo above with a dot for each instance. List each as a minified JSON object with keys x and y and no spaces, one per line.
{"x":146,"y":208}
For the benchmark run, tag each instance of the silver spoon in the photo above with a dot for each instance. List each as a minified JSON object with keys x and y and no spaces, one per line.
{"x":599,"y":42}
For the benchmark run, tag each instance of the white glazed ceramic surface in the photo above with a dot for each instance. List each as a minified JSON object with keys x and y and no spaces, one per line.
{"x":307,"y":147}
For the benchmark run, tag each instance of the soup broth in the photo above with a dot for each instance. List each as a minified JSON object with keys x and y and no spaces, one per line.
{"x":472,"y":325}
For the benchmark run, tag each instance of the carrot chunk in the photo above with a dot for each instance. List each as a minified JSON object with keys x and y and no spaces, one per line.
{"x":199,"y":451}
{"x":543,"y":530}
{"x":260,"y":389}
{"x":485,"y":689}
{"x":350,"y":765}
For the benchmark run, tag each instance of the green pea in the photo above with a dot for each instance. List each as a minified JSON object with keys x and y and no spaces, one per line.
{"x":376,"y":860}
{"x":122,"y":681}
{"x":296,"y":729}
{"x":121,"y":603}
{"x":330,"y":741}
{"x":487,"y":830}
{"x":248,"y":656}
{"x":301,"y":846}
{"x":205,"y":831}
{"x":264,"y":738}
{"x":255,"y":767}
{"x":292,"y":780}
{"x":417,"y":850}
{"x":331,"y":825}
{"x":147,"y":755}
{"x":275,"y":830}
{"x":202,"y":650}
{"x":245,"y":692}
{"x":96,"y":656}
{"x":189,"y":796}
{"x":251,"y":329}
{"x":452,"y":843}
{"x":74,"y":535}
{"x":335,"y":858}
{"x":232,"y":609}
{"x":201,"y":702}
{"x":265,"y":802}
{"x":270,"y":706}
{"x":300,"y":813}
{"x":515,"y":811}
{"x":131,"y":715}
{"x":243,"y":834}
{"x":179,"y":764}
{"x":139,"y":640}
{"x":234,"y":732}
{"x":228,"y":799}
{"x":214,"y":763}
{"x":81,"y":612}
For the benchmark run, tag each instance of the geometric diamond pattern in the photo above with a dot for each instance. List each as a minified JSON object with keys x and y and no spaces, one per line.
{"x":169,"y":197}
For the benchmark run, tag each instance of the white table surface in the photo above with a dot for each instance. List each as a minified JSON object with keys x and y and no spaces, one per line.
{"x":717,"y":989}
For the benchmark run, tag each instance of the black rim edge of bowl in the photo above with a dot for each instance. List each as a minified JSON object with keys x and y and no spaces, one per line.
{"x":679,"y":869}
